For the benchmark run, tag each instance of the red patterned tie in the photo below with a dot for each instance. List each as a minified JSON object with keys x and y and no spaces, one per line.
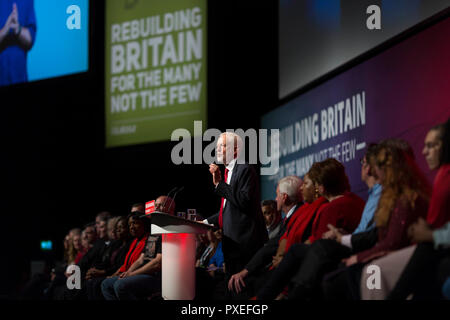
{"x":221,"y":204}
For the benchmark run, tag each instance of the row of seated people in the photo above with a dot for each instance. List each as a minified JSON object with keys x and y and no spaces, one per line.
{"x":119,"y":259}
{"x":330,"y":244}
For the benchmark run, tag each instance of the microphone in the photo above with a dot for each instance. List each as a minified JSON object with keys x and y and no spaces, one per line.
{"x":173,"y":199}
{"x":164,"y":204}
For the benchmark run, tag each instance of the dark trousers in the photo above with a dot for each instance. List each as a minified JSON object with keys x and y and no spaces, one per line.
{"x":322,"y":257}
{"x":236,"y":257}
{"x":423,"y":275}
{"x":93,"y":288}
{"x":253,"y":283}
{"x":343,"y":283}
{"x":35,"y":288}
{"x":282,"y":275}
{"x":207,"y":287}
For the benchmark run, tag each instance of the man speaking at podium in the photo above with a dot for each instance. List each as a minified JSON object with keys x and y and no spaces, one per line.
{"x":240,"y":215}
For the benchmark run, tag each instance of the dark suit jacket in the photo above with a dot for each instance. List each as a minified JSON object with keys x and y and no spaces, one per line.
{"x":94,"y":255}
{"x":364,"y":240}
{"x":243,"y":221}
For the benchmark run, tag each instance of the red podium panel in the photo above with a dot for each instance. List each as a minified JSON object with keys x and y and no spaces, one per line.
{"x":178,"y":252}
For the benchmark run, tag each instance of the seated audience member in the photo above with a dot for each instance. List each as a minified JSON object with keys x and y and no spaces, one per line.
{"x":97,"y":251}
{"x":141,"y":278}
{"x":216,"y":262}
{"x":325,"y":254}
{"x":413,"y":269}
{"x":100,"y":243}
{"x":437,"y":155}
{"x":116,"y":252}
{"x":37,"y":285}
{"x":113,"y":259}
{"x":165,"y":204}
{"x":66,"y":242}
{"x":202,"y":243}
{"x":74,"y":245}
{"x":343,"y":210}
{"x":213,"y":242}
{"x":91,"y":233}
{"x":139,"y":229}
{"x":41,"y":285}
{"x":272,"y":217}
{"x":427,"y":272}
{"x":403,"y":200}
{"x":57,"y":284}
{"x":363,"y":239}
{"x":82,"y":248}
{"x":289,"y":201}
{"x":300,"y":227}
{"x":92,"y":256}
{"x":110,"y":228}
{"x":86,"y":243}
{"x":139,"y":207}
{"x":101,"y":227}
{"x":102,"y":216}
{"x":98,"y":248}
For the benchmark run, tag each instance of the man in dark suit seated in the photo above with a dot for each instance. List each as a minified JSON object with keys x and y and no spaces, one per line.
{"x":249,"y":280}
{"x":240,"y":215}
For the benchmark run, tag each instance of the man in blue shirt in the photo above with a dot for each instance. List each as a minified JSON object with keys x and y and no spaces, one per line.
{"x":17,"y":35}
{"x":367,"y":218}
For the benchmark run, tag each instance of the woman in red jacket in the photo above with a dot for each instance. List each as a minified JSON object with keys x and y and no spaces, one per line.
{"x":343,"y":209}
{"x":140,"y":230}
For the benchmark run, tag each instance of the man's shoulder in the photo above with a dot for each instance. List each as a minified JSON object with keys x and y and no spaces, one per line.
{"x":349,"y":199}
{"x":99,"y":244}
{"x":244,"y":166}
{"x":154,"y":237}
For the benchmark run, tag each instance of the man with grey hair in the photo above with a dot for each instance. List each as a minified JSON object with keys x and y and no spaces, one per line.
{"x":288,"y":200}
{"x":289,"y":191}
{"x":240,"y":215}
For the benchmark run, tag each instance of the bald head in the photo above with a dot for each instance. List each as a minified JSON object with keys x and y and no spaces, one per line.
{"x":165,"y":204}
{"x":229,"y":146}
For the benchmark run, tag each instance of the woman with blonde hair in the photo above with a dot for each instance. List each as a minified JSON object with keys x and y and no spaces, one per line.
{"x":73,"y":245}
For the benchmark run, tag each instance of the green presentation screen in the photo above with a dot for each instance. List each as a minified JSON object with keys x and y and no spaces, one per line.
{"x":155,"y":69}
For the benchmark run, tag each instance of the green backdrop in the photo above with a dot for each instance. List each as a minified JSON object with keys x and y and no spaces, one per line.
{"x":155,"y":69}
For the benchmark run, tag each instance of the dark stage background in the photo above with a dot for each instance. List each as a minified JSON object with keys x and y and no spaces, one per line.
{"x":56,"y":172}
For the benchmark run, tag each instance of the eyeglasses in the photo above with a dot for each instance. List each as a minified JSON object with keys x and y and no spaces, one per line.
{"x":430,"y":145}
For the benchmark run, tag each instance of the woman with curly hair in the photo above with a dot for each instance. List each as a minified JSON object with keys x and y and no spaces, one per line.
{"x":422,"y":269}
{"x":73,"y":245}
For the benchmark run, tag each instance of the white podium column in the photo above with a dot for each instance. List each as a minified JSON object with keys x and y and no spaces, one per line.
{"x":178,"y":266}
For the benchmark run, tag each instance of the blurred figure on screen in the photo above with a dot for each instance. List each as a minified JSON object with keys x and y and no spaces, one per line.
{"x":17,"y":35}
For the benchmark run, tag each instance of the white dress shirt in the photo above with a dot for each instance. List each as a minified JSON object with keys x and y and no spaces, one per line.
{"x":290,"y":212}
{"x":230,"y":168}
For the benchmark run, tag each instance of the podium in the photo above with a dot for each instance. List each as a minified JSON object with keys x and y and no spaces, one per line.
{"x":178,"y":254}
